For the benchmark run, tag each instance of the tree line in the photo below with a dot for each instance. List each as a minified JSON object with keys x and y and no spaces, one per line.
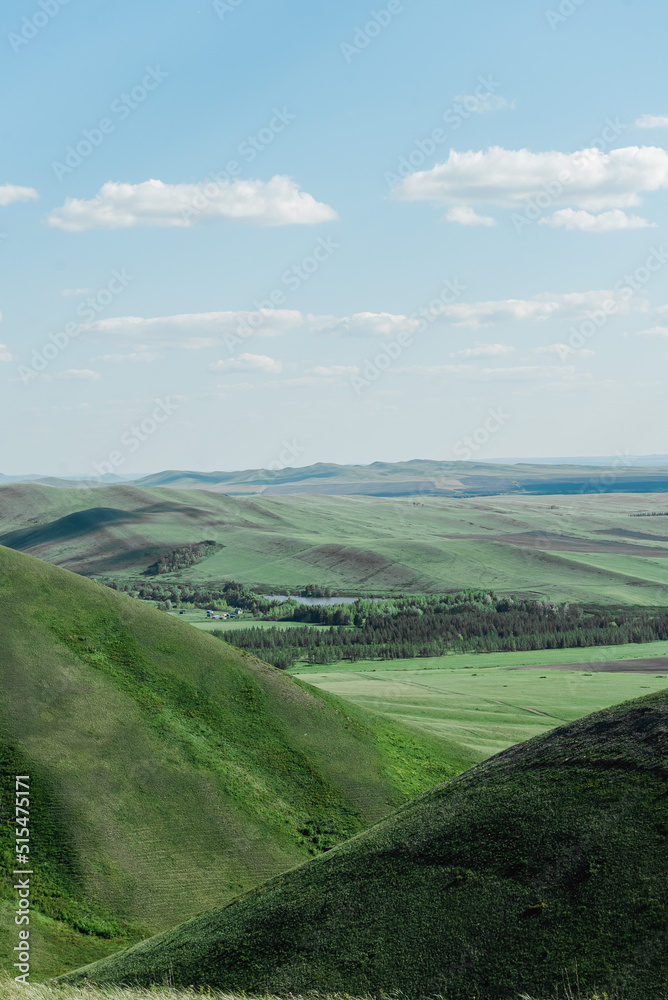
{"x":471,"y":621}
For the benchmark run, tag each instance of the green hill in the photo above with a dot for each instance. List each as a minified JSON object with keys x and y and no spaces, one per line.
{"x":168,"y":769}
{"x":572,"y":548}
{"x":545,"y":864}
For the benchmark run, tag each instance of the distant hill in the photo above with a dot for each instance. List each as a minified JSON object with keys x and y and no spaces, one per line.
{"x":544,"y":868}
{"x":424,"y":477}
{"x":644,"y":474}
{"x":572,"y":548}
{"x":168,"y":769}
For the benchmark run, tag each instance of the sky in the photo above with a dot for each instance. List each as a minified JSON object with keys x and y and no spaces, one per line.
{"x":243,"y":233}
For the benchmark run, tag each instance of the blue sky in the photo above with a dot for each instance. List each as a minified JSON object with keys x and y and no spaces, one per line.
{"x":243,"y":233}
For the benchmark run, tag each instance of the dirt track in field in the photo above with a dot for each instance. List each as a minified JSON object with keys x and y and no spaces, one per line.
{"x":650,"y":665}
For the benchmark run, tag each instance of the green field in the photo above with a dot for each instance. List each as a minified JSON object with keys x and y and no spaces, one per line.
{"x":169,"y":771}
{"x":542,"y":867}
{"x":582,"y":548}
{"x":480,"y":661}
{"x":488,"y":709}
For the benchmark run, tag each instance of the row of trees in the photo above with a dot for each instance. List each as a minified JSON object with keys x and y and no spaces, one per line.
{"x":433,"y":626}
{"x":182,"y":557}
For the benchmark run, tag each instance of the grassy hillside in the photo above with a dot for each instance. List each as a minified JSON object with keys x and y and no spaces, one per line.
{"x":570,"y":548}
{"x":545,"y":862}
{"x":169,"y":770}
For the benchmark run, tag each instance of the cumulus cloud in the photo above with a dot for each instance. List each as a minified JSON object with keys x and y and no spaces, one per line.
{"x":80,"y":374}
{"x":508,"y":178}
{"x":652,"y":121}
{"x":653,"y":331}
{"x":5,"y":354}
{"x":277,"y":202}
{"x":10,"y":193}
{"x":248,"y":363}
{"x":604,"y":222}
{"x":542,"y":307}
{"x":200,"y":330}
{"x":484,"y":351}
{"x":366,"y":324}
{"x":465,"y":216}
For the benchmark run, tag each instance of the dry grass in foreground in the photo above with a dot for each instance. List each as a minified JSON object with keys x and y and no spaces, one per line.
{"x":10,"y":990}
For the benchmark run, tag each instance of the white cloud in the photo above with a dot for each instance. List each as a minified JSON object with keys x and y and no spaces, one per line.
{"x":484,"y":351}
{"x":5,"y":354}
{"x":542,"y":307}
{"x":10,"y":193}
{"x":136,"y":358}
{"x":654,"y":331}
{"x":248,"y":363}
{"x":277,"y":202}
{"x":334,"y":371}
{"x":366,"y":324}
{"x":519,"y":373}
{"x":200,"y":330}
{"x":81,"y":374}
{"x":508,"y":178}
{"x":69,"y":292}
{"x":465,"y":216}
{"x":652,"y":121}
{"x":563,"y":351}
{"x":604,"y":222}
{"x":480,"y":105}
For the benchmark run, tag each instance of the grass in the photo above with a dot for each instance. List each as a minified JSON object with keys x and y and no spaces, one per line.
{"x":544,"y":865}
{"x":170,"y":771}
{"x":9,"y":990}
{"x":488,"y":709}
{"x":482,"y":661}
{"x":574,"y":548}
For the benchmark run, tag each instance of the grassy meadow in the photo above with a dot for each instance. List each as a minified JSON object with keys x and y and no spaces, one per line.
{"x":582,"y":548}
{"x":487,"y":709}
{"x":9,"y":990}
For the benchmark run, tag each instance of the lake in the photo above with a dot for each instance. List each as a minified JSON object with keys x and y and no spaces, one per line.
{"x":310,"y":600}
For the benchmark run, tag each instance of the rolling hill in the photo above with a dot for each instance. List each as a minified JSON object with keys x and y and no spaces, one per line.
{"x":571,"y":548}
{"x":544,"y":866}
{"x":168,"y":769}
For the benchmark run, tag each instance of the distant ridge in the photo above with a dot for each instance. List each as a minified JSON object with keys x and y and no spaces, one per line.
{"x":420,"y":477}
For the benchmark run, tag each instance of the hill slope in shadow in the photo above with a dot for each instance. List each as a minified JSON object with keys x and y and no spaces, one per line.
{"x":545,"y":863}
{"x":168,"y":769}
